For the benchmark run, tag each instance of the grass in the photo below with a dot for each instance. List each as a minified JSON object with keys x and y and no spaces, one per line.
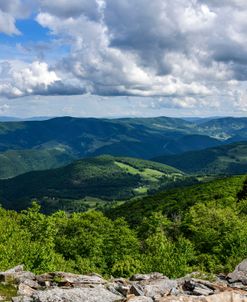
{"x":7,"y":291}
{"x":141,"y":190}
{"x":128,"y":168}
{"x":148,"y":173}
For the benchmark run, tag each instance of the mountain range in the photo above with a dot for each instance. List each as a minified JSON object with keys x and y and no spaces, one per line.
{"x":70,"y":138}
{"x":80,"y":163}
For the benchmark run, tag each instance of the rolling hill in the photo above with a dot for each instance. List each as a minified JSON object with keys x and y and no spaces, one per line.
{"x":61,"y":140}
{"x":16,"y":162}
{"x":175,"y":203}
{"x":228,"y":160}
{"x":104,"y":178}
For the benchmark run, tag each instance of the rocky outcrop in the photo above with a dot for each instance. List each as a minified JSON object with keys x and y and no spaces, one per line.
{"x":155,"y":287}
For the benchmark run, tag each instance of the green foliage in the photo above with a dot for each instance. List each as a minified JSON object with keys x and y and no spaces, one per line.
{"x":221,"y":160}
{"x":7,"y":291}
{"x":201,"y":228}
{"x":15,"y":162}
{"x":104,"y":178}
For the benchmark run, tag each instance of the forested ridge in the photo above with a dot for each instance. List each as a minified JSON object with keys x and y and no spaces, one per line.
{"x":205,"y":230}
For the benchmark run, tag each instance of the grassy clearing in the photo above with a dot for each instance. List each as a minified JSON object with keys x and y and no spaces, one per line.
{"x":128,"y":168}
{"x":148,"y":174}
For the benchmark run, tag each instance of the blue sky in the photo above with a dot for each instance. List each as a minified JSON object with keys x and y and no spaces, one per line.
{"x":123,"y":58}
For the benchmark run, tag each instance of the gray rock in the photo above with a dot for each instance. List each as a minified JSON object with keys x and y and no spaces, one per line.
{"x":222,"y":297}
{"x":68,"y":279}
{"x":238,"y":285}
{"x":140,"y":299}
{"x":198,"y":287}
{"x":158,"y":287}
{"x":142,"y":277}
{"x":31,"y":283}
{"x":16,"y":269}
{"x":113,"y":289}
{"x":16,"y":277}
{"x":25,"y":290}
{"x":22,"y":299}
{"x":96,"y":294}
{"x":137,"y":290}
{"x":239,"y":274}
{"x":123,"y":289}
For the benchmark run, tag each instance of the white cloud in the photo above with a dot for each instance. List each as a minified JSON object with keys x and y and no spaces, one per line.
{"x":188,"y":52}
{"x":7,"y":24}
{"x":17,"y":80}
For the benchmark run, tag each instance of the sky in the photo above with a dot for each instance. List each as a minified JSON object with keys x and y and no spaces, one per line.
{"x":113,"y":58}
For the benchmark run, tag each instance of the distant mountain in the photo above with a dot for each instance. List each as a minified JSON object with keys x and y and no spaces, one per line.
{"x":105,"y":178}
{"x":144,"y":138}
{"x":228,"y":128}
{"x":87,"y":137}
{"x":228,"y":159}
{"x":15,"y":162}
{"x":19,"y":119}
{"x":9,"y":119}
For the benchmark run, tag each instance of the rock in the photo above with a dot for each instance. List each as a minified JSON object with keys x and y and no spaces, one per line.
{"x":238,"y":285}
{"x":113,"y":289}
{"x":16,"y":277}
{"x":198,"y":288}
{"x":22,"y":299}
{"x":96,"y":294}
{"x":239,"y":274}
{"x":123,"y":289}
{"x":158,"y":287}
{"x":137,"y":290}
{"x":68,"y":279}
{"x":31,"y":283}
{"x":142,"y":277}
{"x":16,"y":269}
{"x":222,"y":297}
{"x":25,"y":290}
{"x":140,"y":299}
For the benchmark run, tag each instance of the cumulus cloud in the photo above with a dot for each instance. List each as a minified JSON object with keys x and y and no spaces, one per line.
{"x":10,"y":11}
{"x":184,"y":53}
{"x":17,"y":80}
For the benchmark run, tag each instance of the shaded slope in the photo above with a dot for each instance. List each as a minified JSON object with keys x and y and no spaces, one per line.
{"x":228,"y":159}
{"x":175,"y":202}
{"x":105,"y":177}
{"x":15,"y":162}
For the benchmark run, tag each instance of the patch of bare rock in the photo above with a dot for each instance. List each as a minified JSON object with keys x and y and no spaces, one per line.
{"x":154,"y":287}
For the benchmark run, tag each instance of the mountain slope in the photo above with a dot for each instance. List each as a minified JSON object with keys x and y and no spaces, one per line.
{"x":15,"y":162}
{"x":228,"y":159}
{"x":137,"y":137}
{"x":86,"y":137}
{"x":176,"y":202}
{"x":106,"y":177}
{"x":228,"y":128}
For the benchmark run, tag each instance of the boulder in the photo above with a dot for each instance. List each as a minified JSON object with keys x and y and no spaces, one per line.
{"x":198,"y":287}
{"x":16,"y":277}
{"x":25,"y":290}
{"x":69,"y":279}
{"x":158,"y":287}
{"x":222,"y":297}
{"x":22,"y":299}
{"x":140,"y":299}
{"x":137,"y":290}
{"x":152,"y":276}
{"x":96,"y":294}
{"x":239,"y":274}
